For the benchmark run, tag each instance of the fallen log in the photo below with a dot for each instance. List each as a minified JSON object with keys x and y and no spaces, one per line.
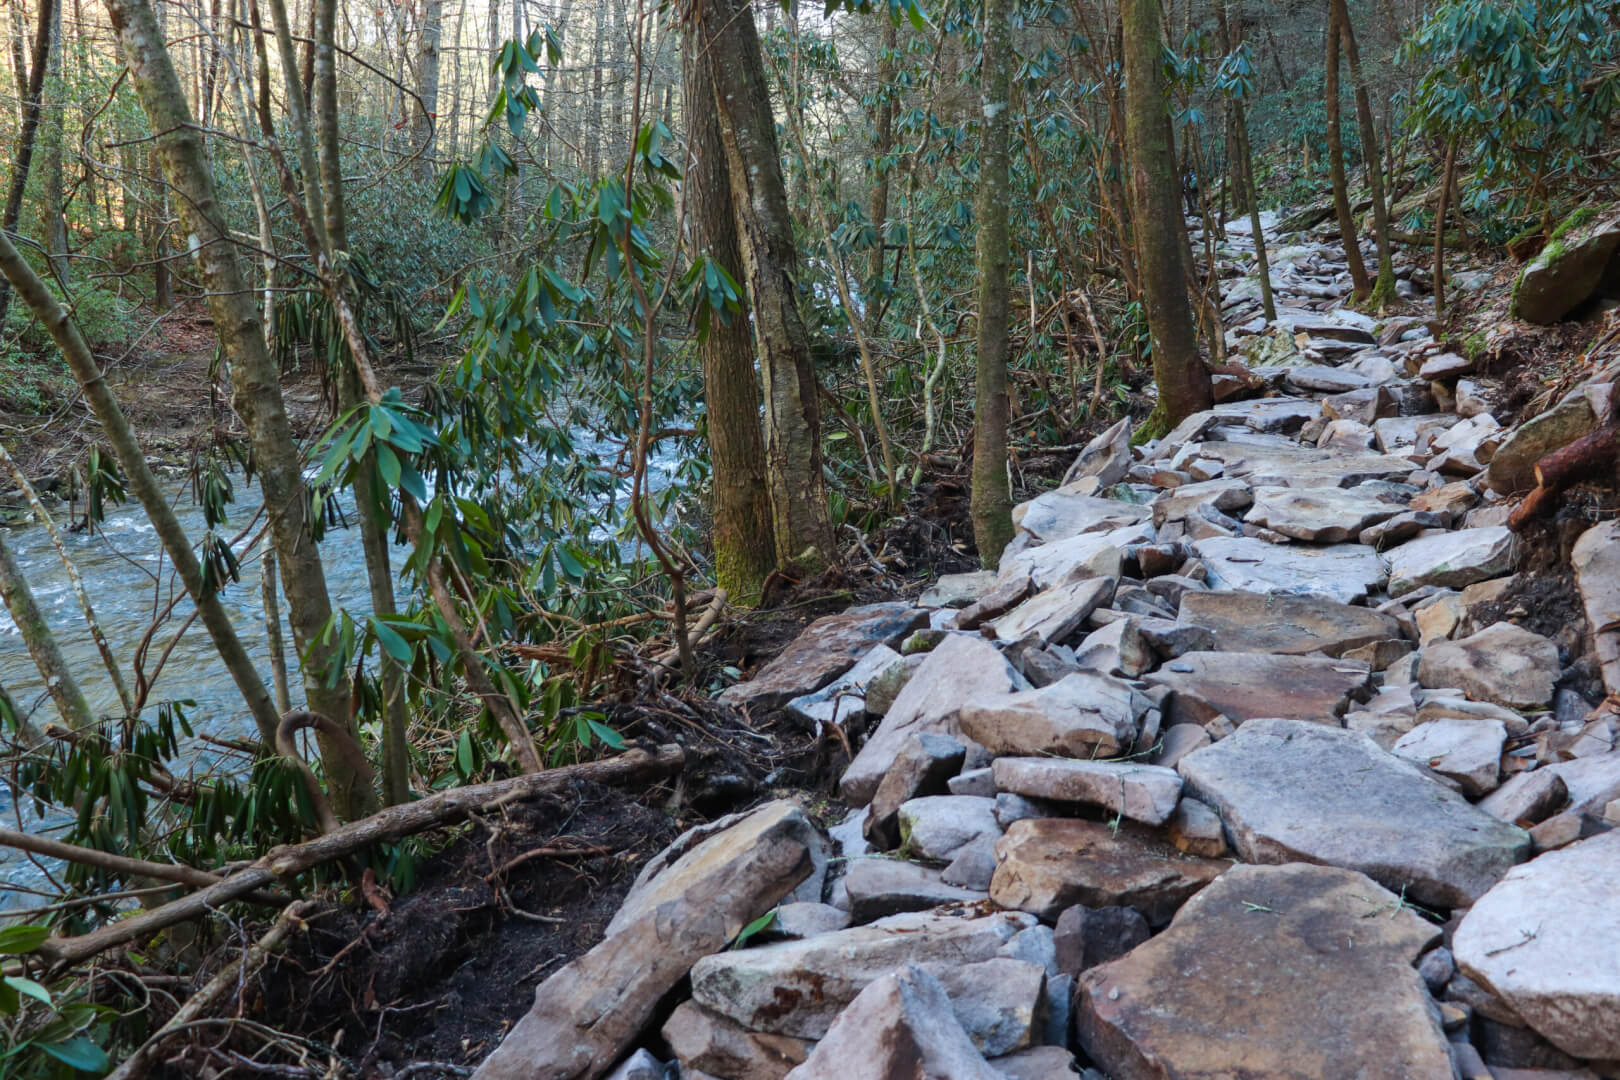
{"x":445,"y":808}
{"x":1584,"y":459}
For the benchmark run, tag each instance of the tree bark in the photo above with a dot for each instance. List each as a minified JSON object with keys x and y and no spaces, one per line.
{"x":36,"y":633}
{"x":32,"y":88}
{"x":254,"y":376}
{"x":1182,"y":378}
{"x":1383,"y":292}
{"x":1243,"y":161}
{"x":882,"y":143}
{"x":1341,"y":187}
{"x":426,"y":108}
{"x":991,"y":498}
{"x":803,"y":531}
{"x":53,"y":109}
{"x":744,"y":549}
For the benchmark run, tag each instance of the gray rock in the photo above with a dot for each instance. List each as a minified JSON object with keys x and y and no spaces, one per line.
{"x":828,"y":647}
{"x":1436,"y":969}
{"x":1291,"y":791}
{"x":1040,"y":1062}
{"x":798,"y":987}
{"x":1468,"y":751}
{"x":1403,"y":527}
{"x":901,"y":1024}
{"x":640,"y":1065}
{"x":884,"y":687}
{"x":1085,"y":556}
{"x":924,"y":766}
{"x":1146,"y":793}
{"x":1106,"y":457}
{"x":879,"y":887}
{"x":957,"y":590}
{"x":1513,"y":465}
{"x":1080,"y":715}
{"x":974,"y":782}
{"x":705,"y":1041}
{"x":1049,"y":864}
{"x":804,"y":919}
{"x":1544,"y":940}
{"x":962,"y":669}
{"x":1326,"y":380}
{"x":1271,"y":973}
{"x":1342,"y":572}
{"x":1054,"y":614}
{"x":845,"y":696}
{"x":1596,"y":562}
{"x":1246,"y":685}
{"x":1179,"y":503}
{"x":1000,"y":1002}
{"x":1059,"y":515}
{"x":1321,"y":515}
{"x":1285,"y":624}
{"x":1011,"y":808}
{"x":1502,"y":664}
{"x":1461,"y":450}
{"x":1179,"y":740}
{"x":1195,"y":829}
{"x":683,"y":908}
{"x":936,"y":827}
{"x":974,"y":864}
{"x":1008,"y":592}
{"x":1451,"y":559}
{"x":1116,"y":649}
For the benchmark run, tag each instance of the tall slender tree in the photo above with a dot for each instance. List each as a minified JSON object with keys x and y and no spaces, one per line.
{"x":799,"y":518}
{"x":744,"y":550}
{"x":1342,"y":207}
{"x":1383,"y":291}
{"x":991,"y":498}
{"x":32,"y":86}
{"x":1182,"y":378}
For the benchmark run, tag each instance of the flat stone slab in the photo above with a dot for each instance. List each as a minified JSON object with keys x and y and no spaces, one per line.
{"x":957,"y":590}
{"x":1081,"y":715}
{"x":1047,"y":865}
{"x":1055,"y":614}
{"x":1451,"y":559}
{"x":936,"y":827}
{"x":1145,"y":793}
{"x":1326,"y":380}
{"x":1057,"y":515}
{"x":1466,"y":750}
{"x":1502,"y":663}
{"x":845,"y":696}
{"x":798,"y":987}
{"x":828,"y":647}
{"x":1290,"y":791}
{"x":1271,"y":973}
{"x":878,"y":887}
{"x":1342,"y":572}
{"x":1320,"y":515}
{"x":1084,"y":556}
{"x":1242,"y":686}
{"x":1546,"y":940}
{"x":959,"y":671}
{"x":1284,"y":623}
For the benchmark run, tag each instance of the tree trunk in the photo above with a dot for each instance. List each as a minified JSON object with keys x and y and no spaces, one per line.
{"x":427,"y":86}
{"x":991,"y":500}
{"x":1341,"y":186}
{"x":254,"y":377}
{"x":1383,"y":292}
{"x":28,"y":129}
{"x":1243,"y":162}
{"x":744,"y":551}
{"x":36,"y":634}
{"x":1182,"y":378}
{"x":882,"y":143}
{"x":53,"y":112}
{"x":1447,"y":172}
{"x":798,"y":492}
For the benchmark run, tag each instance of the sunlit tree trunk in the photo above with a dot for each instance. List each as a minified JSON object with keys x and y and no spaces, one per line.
{"x":53,"y":113}
{"x":744,"y":550}
{"x":1383,"y":292}
{"x":254,"y":377}
{"x":798,"y":492}
{"x":1342,"y":207}
{"x":991,"y":499}
{"x":1182,"y":378}
{"x":41,"y":643}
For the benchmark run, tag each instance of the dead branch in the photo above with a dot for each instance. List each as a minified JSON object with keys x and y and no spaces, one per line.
{"x":445,"y":808}
{"x":1582,"y":459}
{"x":296,"y":721}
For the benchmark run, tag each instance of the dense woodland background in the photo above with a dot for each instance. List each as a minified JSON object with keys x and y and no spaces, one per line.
{"x":600,"y":320}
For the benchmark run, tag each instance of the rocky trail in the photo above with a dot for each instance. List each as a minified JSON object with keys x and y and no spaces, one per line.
{"x":1270,"y":751}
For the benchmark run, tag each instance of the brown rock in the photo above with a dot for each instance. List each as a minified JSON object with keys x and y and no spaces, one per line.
{"x":828,"y":647}
{"x":1246,"y":685}
{"x":1048,"y":864}
{"x":721,"y":1047}
{"x":1271,"y":973}
{"x":1285,"y":624}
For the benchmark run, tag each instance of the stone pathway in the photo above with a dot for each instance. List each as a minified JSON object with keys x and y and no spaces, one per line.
{"x":1230,"y":771}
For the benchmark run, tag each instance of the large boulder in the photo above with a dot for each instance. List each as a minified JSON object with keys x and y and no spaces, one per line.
{"x":1323,"y":515}
{"x":799,"y":987}
{"x":1546,"y":940}
{"x":1569,"y":269}
{"x":1047,"y":865}
{"x":1246,"y":685}
{"x":1342,"y":572}
{"x":1513,"y":466}
{"x":1291,"y":791}
{"x":1081,"y":715}
{"x":1283,"y":623}
{"x":828,"y":647}
{"x":1452,"y":559}
{"x":959,"y":671}
{"x":586,"y":1015}
{"x":1271,"y":973}
{"x":1058,"y":515}
{"x":1502,"y":663}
